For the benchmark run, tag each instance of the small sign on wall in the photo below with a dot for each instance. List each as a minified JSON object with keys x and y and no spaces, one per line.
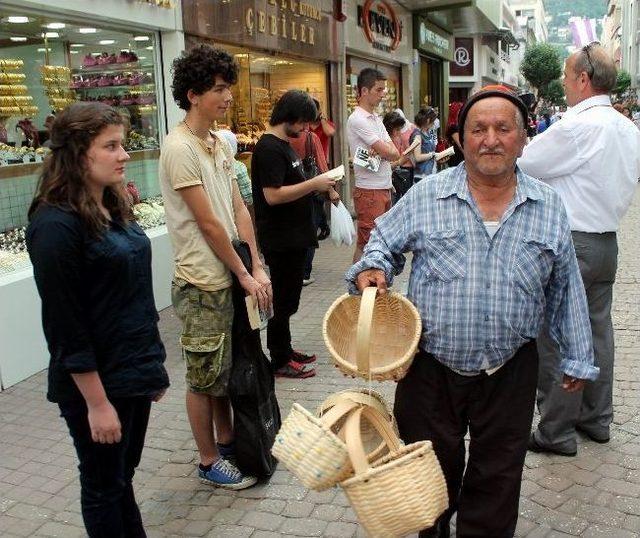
{"x":462,"y":64}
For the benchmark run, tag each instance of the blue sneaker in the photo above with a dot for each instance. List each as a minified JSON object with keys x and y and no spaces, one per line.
{"x":224,"y":474}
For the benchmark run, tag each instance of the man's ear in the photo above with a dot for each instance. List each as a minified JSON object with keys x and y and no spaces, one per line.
{"x":193,"y":97}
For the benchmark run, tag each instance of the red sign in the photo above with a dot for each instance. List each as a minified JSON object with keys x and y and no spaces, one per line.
{"x":381,"y":25}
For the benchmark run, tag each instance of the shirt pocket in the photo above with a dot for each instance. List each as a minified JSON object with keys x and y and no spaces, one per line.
{"x":447,"y":255}
{"x":533,"y":265}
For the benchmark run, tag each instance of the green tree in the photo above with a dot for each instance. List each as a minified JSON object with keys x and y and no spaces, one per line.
{"x":553,"y":93}
{"x":540,"y":66}
{"x":623,"y":81}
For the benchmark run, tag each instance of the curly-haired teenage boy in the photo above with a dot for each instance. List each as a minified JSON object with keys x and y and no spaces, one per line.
{"x":205,"y":212}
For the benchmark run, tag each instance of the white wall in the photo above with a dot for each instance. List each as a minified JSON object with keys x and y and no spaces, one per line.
{"x":138,"y":14}
{"x":23,"y":350}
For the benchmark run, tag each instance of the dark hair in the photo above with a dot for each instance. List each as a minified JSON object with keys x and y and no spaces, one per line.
{"x":319,"y":111}
{"x":294,"y":106}
{"x":197,"y":70}
{"x":425,"y":115}
{"x":393,"y":120}
{"x":63,"y":179}
{"x":368,"y":78}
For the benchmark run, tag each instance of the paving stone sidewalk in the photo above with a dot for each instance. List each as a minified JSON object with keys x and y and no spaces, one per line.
{"x":596,"y":493}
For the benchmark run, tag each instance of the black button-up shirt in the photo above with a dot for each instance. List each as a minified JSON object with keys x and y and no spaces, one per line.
{"x":98,"y":311}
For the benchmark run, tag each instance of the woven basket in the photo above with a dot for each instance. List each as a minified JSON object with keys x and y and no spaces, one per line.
{"x":374,"y":444}
{"x":374,"y":337}
{"x":403,"y":492}
{"x":308,"y":447}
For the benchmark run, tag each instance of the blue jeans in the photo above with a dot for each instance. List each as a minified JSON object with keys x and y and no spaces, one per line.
{"x":109,"y":507}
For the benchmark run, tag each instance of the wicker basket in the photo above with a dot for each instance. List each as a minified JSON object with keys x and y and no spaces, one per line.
{"x":374,"y":337}
{"x":374,"y":445}
{"x":403,"y":492}
{"x":308,"y":447}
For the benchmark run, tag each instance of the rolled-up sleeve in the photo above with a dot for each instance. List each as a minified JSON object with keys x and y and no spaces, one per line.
{"x":55,"y":249}
{"x":568,"y":312}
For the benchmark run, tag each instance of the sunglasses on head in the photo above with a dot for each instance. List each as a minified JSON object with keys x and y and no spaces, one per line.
{"x":586,"y":49}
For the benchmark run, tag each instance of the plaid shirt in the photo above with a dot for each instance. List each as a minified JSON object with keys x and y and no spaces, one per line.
{"x":244,"y":181}
{"x":482,"y":298}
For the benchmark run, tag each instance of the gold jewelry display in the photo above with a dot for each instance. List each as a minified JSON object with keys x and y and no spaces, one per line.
{"x":57,"y":81}
{"x":14,"y":100}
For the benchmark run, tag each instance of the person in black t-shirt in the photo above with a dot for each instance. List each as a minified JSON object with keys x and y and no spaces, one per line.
{"x":282,"y":199}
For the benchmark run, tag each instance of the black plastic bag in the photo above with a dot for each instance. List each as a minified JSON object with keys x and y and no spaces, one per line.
{"x":251,"y":388}
{"x":402,"y":180}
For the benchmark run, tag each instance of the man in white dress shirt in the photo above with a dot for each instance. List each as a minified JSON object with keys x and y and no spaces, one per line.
{"x":591,"y":157}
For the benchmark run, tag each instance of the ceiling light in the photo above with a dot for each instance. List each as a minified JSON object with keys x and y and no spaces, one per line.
{"x":87,"y":30}
{"x":142,"y":57}
{"x":73,"y":52}
{"x":141,"y":38}
{"x":17,"y":20}
{"x":18,"y":38}
{"x":77,"y":45}
{"x":55,"y":25}
{"x":51,"y":34}
{"x":107,"y":42}
{"x":44,"y":50}
{"x":149,"y":48}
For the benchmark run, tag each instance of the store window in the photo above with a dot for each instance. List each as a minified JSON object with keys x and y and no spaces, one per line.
{"x":47,"y":62}
{"x":391,"y":100}
{"x":263,"y":78}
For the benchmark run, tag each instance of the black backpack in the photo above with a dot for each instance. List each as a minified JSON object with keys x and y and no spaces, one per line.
{"x":251,"y":388}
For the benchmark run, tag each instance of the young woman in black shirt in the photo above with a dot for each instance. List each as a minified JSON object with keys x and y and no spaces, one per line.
{"x":92,"y":267}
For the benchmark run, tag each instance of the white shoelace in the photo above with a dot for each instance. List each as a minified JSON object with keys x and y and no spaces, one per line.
{"x":228,"y":469}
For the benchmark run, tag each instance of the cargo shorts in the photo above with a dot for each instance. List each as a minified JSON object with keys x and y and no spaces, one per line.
{"x":207,"y":320}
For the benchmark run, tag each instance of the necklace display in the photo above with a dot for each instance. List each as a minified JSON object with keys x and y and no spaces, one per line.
{"x":13,"y":241}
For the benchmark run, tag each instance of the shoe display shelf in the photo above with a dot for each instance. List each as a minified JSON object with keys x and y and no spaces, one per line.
{"x":128,"y":84}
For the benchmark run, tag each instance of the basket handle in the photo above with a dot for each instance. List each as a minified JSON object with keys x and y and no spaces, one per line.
{"x":353,"y":436}
{"x":363,"y":334}
{"x":355,"y":396}
{"x":340,"y":409}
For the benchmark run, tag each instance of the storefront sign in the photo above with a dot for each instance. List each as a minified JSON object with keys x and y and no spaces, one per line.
{"x":432,"y":40}
{"x":380,"y":24}
{"x":285,"y":20}
{"x":302,"y":27}
{"x":462,"y":64}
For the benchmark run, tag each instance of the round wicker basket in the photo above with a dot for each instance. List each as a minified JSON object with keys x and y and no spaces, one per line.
{"x":373,"y":336}
{"x":373,"y":442}
{"x":401,"y":493}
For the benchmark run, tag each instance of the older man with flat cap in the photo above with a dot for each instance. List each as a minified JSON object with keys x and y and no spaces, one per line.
{"x":592,"y":159}
{"x":492,"y":259}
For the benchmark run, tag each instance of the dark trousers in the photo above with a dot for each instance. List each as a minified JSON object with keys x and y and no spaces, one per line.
{"x":320,"y":222}
{"x":435,"y":403}
{"x":286,"y":269}
{"x":109,"y":507}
